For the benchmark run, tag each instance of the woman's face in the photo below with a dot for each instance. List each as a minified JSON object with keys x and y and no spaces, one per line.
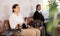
{"x":17,"y":9}
{"x":39,"y":7}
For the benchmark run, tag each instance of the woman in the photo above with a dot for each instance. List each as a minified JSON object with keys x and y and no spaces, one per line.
{"x":39,"y":16}
{"x":15,"y":18}
{"x":38,"y":13}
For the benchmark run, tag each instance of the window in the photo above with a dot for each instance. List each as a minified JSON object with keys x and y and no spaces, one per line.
{"x":45,"y":5}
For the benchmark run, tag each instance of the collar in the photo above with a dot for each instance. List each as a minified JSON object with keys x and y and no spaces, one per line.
{"x":39,"y":11}
{"x":15,"y":14}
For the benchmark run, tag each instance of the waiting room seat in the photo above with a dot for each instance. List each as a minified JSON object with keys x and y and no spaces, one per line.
{"x":38,"y":24}
{"x":1,"y":28}
{"x":7,"y":30}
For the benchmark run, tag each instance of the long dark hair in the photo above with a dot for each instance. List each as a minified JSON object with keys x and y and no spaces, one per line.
{"x":37,"y":6}
{"x":14,"y":6}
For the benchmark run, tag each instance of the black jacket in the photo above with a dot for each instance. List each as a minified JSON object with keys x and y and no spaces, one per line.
{"x":38,"y":16}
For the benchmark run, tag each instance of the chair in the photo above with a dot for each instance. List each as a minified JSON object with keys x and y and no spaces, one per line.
{"x":7,"y":30}
{"x":28,"y":19}
{"x":1,"y":28}
{"x":38,"y":24}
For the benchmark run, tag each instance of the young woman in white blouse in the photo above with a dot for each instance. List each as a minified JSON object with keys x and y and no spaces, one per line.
{"x":15,"y":18}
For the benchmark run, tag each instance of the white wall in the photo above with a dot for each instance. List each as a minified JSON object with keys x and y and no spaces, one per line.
{"x":27,"y":7}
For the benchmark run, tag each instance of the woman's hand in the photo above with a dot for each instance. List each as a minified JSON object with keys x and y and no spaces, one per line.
{"x":41,"y":27}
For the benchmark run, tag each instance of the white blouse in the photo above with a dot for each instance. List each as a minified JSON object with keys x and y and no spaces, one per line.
{"x":15,"y":19}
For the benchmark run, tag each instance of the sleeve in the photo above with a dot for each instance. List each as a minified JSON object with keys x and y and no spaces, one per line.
{"x":21,"y":19}
{"x":42,"y":18}
{"x":12,"y":22}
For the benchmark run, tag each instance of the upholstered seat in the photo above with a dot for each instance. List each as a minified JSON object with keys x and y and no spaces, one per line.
{"x":1,"y":27}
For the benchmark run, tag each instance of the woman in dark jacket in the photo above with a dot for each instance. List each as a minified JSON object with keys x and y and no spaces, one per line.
{"x":38,"y":15}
